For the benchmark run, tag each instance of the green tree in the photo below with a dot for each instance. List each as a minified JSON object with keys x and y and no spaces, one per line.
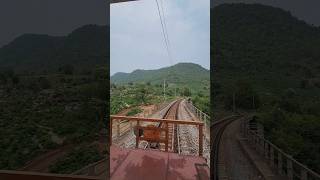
{"x":44,"y":83}
{"x":15,"y":79}
{"x":67,"y":69}
{"x":186,"y":92}
{"x":141,"y":94}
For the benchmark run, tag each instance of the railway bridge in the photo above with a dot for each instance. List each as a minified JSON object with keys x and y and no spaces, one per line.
{"x":158,"y":148}
{"x":240,"y":151}
{"x":173,"y":144}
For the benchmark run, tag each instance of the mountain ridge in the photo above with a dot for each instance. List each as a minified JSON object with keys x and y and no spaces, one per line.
{"x":84,"y":47}
{"x":264,"y":52}
{"x":180,"y":74}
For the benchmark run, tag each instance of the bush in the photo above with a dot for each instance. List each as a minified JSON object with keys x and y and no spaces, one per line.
{"x":134,"y":111}
{"x":244,"y":96}
{"x":186,"y":92}
{"x":76,"y":159}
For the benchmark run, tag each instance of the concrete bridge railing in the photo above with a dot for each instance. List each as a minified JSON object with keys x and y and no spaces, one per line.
{"x":283,"y":163}
{"x":200,"y":115}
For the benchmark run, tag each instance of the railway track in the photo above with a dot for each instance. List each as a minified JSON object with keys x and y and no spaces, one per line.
{"x":188,"y":140}
{"x":171,"y":113}
{"x":217,"y":130}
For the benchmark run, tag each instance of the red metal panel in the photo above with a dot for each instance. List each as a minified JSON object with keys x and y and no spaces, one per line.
{"x":141,"y":164}
{"x":138,"y":164}
{"x":187,"y":167}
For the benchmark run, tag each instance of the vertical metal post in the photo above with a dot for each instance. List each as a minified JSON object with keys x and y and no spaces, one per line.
{"x":110,"y":131}
{"x":137,"y":136}
{"x":279,"y":163}
{"x":247,"y":129}
{"x":164,"y":89}
{"x":167,"y":137}
{"x":304,"y":175}
{"x":255,"y":142}
{"x":266,"y":149}
{"x":253,"y":103}
{"x":262,"y":150}
{"x":175,"y":91}
{"x":234,"y":102}
{"x":271,"y":156}
{"x":200,"y":140}
{"x":118,"y":129}
{"x":260,"y":147}
{"x":289,"y":169}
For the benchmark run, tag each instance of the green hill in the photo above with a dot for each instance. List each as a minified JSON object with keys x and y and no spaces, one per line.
{"x":84,"y":48}
{"x":182,"y":74}
{"x":53,"y":93}
{"x":270,"y":60}
{"x":264,"y":44}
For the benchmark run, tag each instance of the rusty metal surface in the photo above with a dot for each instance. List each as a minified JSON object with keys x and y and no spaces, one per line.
{"x":138,"y":164}
{"x":155,"y":120}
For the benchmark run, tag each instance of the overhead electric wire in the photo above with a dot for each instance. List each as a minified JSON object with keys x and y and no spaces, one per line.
{"x":164,"y":31}
{"x":166,"y":39}
{"x":165,"y":25}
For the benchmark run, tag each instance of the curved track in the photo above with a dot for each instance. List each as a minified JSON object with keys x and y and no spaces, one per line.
{"x":217,"y":130}
{"x":171,"y":113}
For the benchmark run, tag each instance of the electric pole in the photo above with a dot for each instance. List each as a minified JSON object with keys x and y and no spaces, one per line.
{"x":164,"y":89}
{"x":175,"y":91}
{"x":253,"y":103}
{"x":234,"y":102}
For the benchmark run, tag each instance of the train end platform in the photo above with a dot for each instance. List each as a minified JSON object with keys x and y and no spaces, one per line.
{"x":137,"y":164}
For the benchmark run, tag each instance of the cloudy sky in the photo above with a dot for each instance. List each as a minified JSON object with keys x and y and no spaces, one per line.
{"x":136,"y":39}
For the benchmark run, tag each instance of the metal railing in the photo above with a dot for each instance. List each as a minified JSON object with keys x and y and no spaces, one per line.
{"x":138,"y":122}
{"x":283,"y":163}
{"x":200,"y":115}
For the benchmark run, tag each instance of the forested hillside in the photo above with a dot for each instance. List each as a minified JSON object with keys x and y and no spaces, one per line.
{"x":191,"y":75}
{"x":270,"y":60}
{"x":146,"y":86}
{"x":53,"y":96}
{"x":83,"y":48}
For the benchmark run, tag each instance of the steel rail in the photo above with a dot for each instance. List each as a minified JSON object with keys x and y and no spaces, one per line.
{"x":220,"y":127}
